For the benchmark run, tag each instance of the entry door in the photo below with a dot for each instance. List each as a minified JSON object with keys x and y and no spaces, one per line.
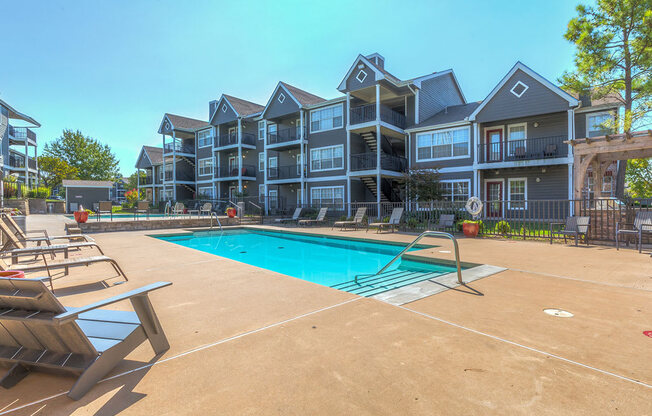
{"x":494,"y":141}
{"x":299,"y":165}
{"x":298,"y":127}
{"x":233,"y":166}
{"x":494,"y":198}
{"x":233,"y":134}
{"x":232,"y":192}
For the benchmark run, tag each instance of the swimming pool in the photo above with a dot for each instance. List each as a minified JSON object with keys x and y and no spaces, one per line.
{"x":324,"y":260}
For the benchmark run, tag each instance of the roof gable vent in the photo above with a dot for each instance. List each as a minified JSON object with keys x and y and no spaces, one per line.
{"x":377,"y":59}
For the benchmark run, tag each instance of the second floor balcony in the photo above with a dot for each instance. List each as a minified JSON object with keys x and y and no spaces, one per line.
{"x":367,"y":113}
{"x":147,"y":180}
{"x":286,"y":172}
{"x":521,"y":150}
{"x":180,"y":176}
{"x":234,"y":172}
{"x":369,"y":161}
{"x":21,"y":134}
{"x":284,"y":135}
{"x":231,"y":139}
{"x":179,"y":147}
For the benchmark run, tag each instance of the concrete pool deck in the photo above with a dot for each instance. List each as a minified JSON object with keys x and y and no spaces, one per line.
{"x":258,"y":342}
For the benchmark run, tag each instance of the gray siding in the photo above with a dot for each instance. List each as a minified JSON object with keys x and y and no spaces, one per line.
{"x":538,"y":99}
{"x":436,"y":94}
{"x":86,"y":196}
{"x":353,"y":84}
{"x":444,"y":163}
{"x":553,"y":183}
{"x":222,"y":117}
{"x":4,"y":125}
{"x":278,"y":109}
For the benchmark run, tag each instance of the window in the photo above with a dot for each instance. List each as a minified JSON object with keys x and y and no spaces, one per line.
{"x":607,"y":184}
{"x":327,"y":158}
{"x":362,"y":75}
{"x":261,"y":193}
{"x":224,"y":108}
{"x":271,"y":131}
{"x":205,"y":192}
{"x":261,"y":130}
{"x":519,"y":89}
{"x":327,"y":118}
{"x":273,"y":167}
{"x":516,"y":139}
{"x":281,"y":98}
{"x":204,"y":138}
{"x":273,"y":198}
{"x":455,"y":191}
{"x":205,"y":166}
{"x":443,"y":144}
{"x":327,"y":195}
{"x":599,"y":124}
{"x":517,"y":193}
{"x":261,"y":162}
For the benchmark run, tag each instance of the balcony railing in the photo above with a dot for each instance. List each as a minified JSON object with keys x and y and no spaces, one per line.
{"x":285,"y":172}
{"x":232,"y":171}
{"x":179,"y":147}
{"x":367,"y":113}
{"x":180,"y":176}
{"x":22,"y":134}
{"x":232,"y":139}
{"x":285,"y":135}
{"x":31,"y":162}
{"x":368,"y":161}
{"x":528,"y":149}
{"x":147,"y":180}
{"x":16,"y":162}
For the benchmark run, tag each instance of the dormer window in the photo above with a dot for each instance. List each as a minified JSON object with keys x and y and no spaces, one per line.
{"x":361,"y":76}
{"x":281,"y":98}
{"x":519,"y":89}
{"x":224,"y":108}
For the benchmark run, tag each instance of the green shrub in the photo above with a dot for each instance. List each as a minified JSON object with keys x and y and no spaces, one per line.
{"x":503,"y":227}
{"x":385,"y":220}
{"x":41,"y":192}
{"x":412,"y":223}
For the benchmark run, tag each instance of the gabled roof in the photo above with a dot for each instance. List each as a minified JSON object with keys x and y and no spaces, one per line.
{"x":242,"y":108}
{"x":155,"y":154}
{"x":417,"y":81}
{"x":572,"y":101}
{"x":452,"y":114}
{"x":17,"y":115}
{"x":183,"y":123}
{"x":86,"y":184}
{"x":300,"y":97}
{"x":380,"y":74}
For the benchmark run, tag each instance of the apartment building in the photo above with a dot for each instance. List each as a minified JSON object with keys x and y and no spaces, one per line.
{"x":299,"y":148}
{"x":19,"y":146}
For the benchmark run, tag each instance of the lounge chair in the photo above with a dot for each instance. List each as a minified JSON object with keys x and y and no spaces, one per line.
{"x":446,"y":222}
{"x":178,"y":209}
{"x":38,"y":333}
{"x":321,"y":217}
{"x":16,"y":253}
{"x":574,"y":226}
{"x":105,"y":207}
{"x":142,"y":208}
{"x":201,"y":209}
{"x":13,"y":228}
{"x":642,"y":225}
{"x":394,"y":221}
{"x":357,"y":220}
{"x":295,"y":216}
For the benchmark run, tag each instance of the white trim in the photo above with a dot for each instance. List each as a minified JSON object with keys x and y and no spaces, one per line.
{"x":324,"y":108}
{"x":525,"y":88}
{"x":378,"y":74}
{"x":212,"y":166}
{"x":269,"y":102}
{"x":438,"y":126}
{"x":261,"y":158}
{"x":506,"y":139}
{"x":468,"y":147}
{"x":201,"y":181}
{"x":88,"y":186}
{"x":524,"y":163}
{"x":364,"y":76}
{"x":596,"y":113}
{"x":326,"y":147}
{"x":327,"y":178}
{"x":281,"y":98}
{"x":572,"y":101}
{"x":455,"y":169}
{"x":509,"y":194}
{"x":484,"y":189}
{"x":468,"y":181}
{"x":212,"y":188}
{"x":264,"y":130}
{"x":333,"y":187}
{"x":224,"y":108}
{"x":210,"y":135}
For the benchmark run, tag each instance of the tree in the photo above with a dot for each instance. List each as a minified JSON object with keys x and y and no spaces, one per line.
{"x":54,"y":170}
{"x":639,"y":178}
{"x":92,"y":159}
{"x":423,"y":185}
{"x":132,"y":182}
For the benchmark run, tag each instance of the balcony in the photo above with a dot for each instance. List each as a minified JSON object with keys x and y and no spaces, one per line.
{"x":20,"y":134}
{"x":285,"y":172}
{"x":147,"y":180}
{"x":16,"y":162}
{"x":368,"y":161}
{"x":520,"y":150}
{"x":232,"y":171}
{"x":231,"y":139}
{"x":367,"y":113}
{"x":180,"y":176}
{"x":179,"y":148}
{"x":284,"y":136}
{"x":31,"y":163}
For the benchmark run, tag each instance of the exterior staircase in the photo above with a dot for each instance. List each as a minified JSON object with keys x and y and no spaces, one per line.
{"x":370,"y":183}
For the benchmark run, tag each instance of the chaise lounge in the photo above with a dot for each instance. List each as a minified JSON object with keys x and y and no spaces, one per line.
{"x":357,"y":220}
{"x":394,"y":221}
{"x":14,"y":229}
{"x":295,"y":217}
{"x":321,"y":217}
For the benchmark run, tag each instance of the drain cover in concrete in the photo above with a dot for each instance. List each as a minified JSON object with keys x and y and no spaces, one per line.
{"x":559,"y":313}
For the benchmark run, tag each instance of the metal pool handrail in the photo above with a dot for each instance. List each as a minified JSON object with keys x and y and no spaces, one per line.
{"x":432,"y":234}
{"x":214,"y":214}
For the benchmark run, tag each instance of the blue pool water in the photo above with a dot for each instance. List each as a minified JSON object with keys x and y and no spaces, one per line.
{"x":319,"y":259}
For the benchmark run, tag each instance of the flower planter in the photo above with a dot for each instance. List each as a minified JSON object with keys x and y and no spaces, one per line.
{"x":471,"y":229}
{"x":231,"y":212}
{"x":81,"y":216}
{"x":13,"y":274}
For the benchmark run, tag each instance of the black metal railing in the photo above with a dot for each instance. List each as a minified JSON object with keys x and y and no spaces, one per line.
{"x":232,"y":171}
{"x":31,"y":163}
{"x":527,"y":149}
{"x":231,"y":139}
{"x":285,"y":172}
{"x":284,"y":135}
{"x":11,"y":131}
{"x":22,"y":133}
{"x":16,"y":161}
{"x":179,"y":147}
{"x":368,"y":161}
{"x":367,"y":113}
{"x":180,"y":176}
{"x":147,"y":180}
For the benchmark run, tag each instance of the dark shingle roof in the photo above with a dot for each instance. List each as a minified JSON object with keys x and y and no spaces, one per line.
{"x":304,"y":97}
{"x":587,"y":100}
{"x":186,"y":123}
{"x":81,"y":184}
{"x":244,"y":107}
{"x":449,"y":115}
{"x":155,"y":154}
{"x":389,"y":76}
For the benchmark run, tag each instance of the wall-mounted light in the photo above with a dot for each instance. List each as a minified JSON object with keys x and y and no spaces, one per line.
{"x":360,"y":66}
{"x":543,"y":170}
{"x":536,"y":124}
{"x":497,"y":172}
{"x":538,"y":180}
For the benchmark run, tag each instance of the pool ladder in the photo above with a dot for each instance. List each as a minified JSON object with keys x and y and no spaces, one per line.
{"x":214,"y":214}
{"x":427,"y":233}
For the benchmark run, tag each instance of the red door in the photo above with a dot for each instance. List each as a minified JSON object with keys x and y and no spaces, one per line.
{"x":494,"y":194}
{"x":494,"y":141}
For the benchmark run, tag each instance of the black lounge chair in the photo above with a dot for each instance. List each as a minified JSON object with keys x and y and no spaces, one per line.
{"x":642,"y":225}
{"x":574,"y":226}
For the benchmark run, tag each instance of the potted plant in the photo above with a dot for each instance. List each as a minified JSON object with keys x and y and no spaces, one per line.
{"x":230,"y":211}
{"x":81,"y":215}
{"x":471,"y":228}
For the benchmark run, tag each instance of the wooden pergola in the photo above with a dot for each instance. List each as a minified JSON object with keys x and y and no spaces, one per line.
{"x":600,"y":152}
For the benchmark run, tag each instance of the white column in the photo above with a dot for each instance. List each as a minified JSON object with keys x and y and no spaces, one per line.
{"x":26,"y":159}
{"x":302,"y":114}
{"x":571,"y":130}
{"x":571,"y":177}
{"x":378,"y":149}
{"x":138,"y":182}
{"x":347,"y":153}
{"x":265,"y":167}
{"x":163,"y":181}
{"x":174,"y":165}
{"x":416,"y":108}
{"x":475,"y":148}
{"x":239,"y":155}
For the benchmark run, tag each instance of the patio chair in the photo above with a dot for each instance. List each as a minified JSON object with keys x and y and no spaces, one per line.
{"x":394,"y":221}
{"x":357,"y":220}
{"x":574,"y":226}
{"x":142,"y":207}
{"x":446,"y":222}
{"x":105,"y":207}
{"x":321,"y":217}
{"x":295,"y":216}
{"x":550,"y":150}
{"x":519,"y":153}
{"x":39,"y":333}
{"x":14,"y":229}
{"x":206,"y":209}
{"x":178,"y":209}
{"x":642,"y":225}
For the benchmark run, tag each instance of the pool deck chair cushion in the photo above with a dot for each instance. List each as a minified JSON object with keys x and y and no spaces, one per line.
{"x":13,"y":228}
{"x":106,"y":207}
{"x":321,"y":217}
{"x":574,"y":226}
{"x":142,"y":208}
{"x":295,"y":216}
{"x":38,"y":333}
{"x":394,"y":221}
{"x":446,"y":222}
{"x":642,"y":225}
{"x":357,"y":220}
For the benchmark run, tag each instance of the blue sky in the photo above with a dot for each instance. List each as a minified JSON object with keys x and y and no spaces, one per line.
{"x":113,"y":68}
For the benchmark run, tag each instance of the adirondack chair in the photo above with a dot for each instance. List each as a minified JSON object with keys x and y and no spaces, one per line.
{"x":574,"y":226}
{"x":393,"y":223}
{"x":321,"y":217}
{"x":642,"y":225}
{"x":38,"y":333}
{"x":295,"y":216}
{"x":105,"y":207}
{"x":142,"y":208}
{"x":357,"y":220}
{"x":446,"y":222}
{"x":12,"y":228}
